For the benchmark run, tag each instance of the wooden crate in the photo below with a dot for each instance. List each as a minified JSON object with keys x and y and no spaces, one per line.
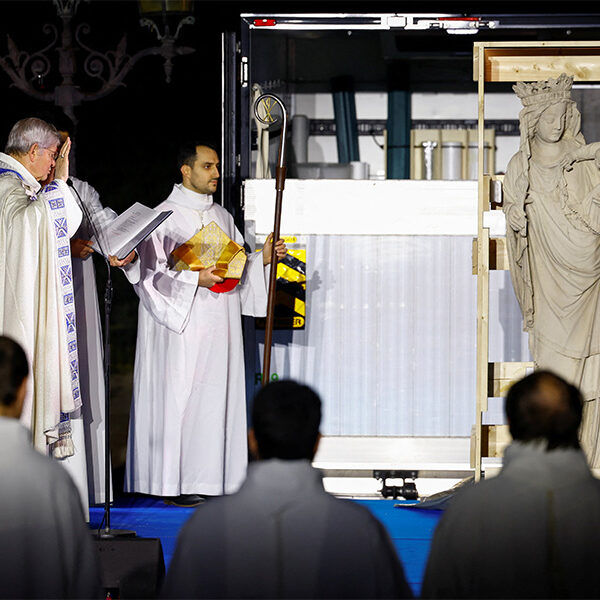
{"x":507,"y":62}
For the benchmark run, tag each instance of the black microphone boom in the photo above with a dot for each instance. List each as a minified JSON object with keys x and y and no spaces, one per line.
{"x":107,"y":532}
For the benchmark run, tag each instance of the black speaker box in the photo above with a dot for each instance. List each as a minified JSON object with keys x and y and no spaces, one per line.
{"x":131,"y":567}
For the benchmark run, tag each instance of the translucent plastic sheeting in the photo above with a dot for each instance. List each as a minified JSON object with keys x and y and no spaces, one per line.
{"x":390,"y":331}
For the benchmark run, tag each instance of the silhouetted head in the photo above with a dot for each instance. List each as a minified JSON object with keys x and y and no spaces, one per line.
{"x":543,"y":406}
{"x":14,"y":369}
{"x":286,"y":417}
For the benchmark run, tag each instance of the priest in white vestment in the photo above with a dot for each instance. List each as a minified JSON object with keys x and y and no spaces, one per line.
{"x":187,"y":432}
{"x":36,"y":289}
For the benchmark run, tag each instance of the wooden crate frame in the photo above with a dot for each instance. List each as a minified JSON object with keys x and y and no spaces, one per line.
{"x":510,"y":62}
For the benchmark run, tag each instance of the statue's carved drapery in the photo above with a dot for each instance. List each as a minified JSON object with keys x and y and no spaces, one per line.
{"x":553,"y":239}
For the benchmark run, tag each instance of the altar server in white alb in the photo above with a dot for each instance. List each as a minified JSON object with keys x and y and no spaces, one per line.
{"x":187,"y":434}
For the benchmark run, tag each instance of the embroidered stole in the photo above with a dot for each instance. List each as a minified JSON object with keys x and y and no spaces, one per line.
{"x":51,"y":194}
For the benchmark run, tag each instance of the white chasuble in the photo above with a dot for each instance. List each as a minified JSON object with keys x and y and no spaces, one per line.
{"x":187,"y":430}
{"x":36,"y":297}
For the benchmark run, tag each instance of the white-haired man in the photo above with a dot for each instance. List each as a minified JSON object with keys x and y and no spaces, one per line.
{"x":36,"y":292}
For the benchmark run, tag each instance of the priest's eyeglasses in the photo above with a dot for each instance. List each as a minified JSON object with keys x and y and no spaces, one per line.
{"x":53,"y":154}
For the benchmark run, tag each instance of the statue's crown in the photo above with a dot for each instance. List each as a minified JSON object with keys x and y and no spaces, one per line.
{"x":541,"y":92}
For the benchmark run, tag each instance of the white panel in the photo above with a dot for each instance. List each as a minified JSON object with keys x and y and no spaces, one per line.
{"x":346,"y":206}
{"x":506,"y":148}
{"x":322,"y":148}
{"x":463,"y":106}
{"x":371,"y":105}
{"x":372,"y":153}
{"x":502,"y":106}
{"x":424,"y":106}
{"x":364,"y":453}
{"x":314,"y":106}
{"x":444,"y":106}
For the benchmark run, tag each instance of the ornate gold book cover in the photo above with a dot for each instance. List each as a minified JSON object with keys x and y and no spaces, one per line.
{"x":211,"y":246}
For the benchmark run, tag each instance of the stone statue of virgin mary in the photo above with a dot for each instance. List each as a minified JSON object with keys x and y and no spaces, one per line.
{"x":552,"y":207}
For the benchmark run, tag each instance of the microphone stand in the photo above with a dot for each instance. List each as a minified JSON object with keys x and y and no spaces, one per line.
{"x":107,"y":532}
{"x":267,"y":118}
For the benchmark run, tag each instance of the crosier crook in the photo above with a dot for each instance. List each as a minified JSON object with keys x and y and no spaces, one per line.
{"x":267,"y":118}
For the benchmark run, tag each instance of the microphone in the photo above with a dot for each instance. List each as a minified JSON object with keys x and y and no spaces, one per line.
{"x":88,"y":216}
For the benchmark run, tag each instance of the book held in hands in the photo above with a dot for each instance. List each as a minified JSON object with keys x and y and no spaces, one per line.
{"x":122,"y":235}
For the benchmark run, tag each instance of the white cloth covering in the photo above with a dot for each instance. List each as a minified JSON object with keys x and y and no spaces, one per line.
{"x":32,"y":307}
{"x":531,"y":532}
{"x":283,"y":536}
{"x":187,"y":430}
{"x":47,"y":550}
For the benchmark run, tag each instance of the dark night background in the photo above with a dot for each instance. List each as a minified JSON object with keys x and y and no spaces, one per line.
{"x":125,"y":143}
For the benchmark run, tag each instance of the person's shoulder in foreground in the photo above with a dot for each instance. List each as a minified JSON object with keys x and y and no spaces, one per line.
{"x":281,"y":534}
{"x":47,"y":550}
{"x":530,"y":531}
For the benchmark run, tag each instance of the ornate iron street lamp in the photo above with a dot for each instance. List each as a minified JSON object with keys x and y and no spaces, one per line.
{"x":28,"y":70}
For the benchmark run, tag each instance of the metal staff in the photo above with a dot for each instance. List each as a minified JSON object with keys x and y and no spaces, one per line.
{"x":268,"y":102}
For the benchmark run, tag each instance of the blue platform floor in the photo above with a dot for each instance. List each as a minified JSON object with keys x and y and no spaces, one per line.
{"x":411,"y":529}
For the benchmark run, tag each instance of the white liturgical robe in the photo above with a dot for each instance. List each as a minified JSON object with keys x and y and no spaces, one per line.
{"x":36,"y":306}
{"x":283,"y":536}
{"x":47,"y":551}
{"x":32,"y":308}
{"x":530,"y":532}
{"x":187,"y":431}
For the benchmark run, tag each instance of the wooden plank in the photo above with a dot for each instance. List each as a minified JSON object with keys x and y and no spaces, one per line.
{"x":479,"y":441}
{"x":538,"y":68}
{"x":498,"y":254}
{"x":534,"y":61}
{"x":483,"y":284}
{"x":493,"y":440}
{"x":498,"y":437}
{"x":498,"y":260}
{"x":554,"y":44}
{"x":501,"y":375}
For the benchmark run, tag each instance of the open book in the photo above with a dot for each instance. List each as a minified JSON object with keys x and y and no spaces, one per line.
{"x":119,"y":237}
